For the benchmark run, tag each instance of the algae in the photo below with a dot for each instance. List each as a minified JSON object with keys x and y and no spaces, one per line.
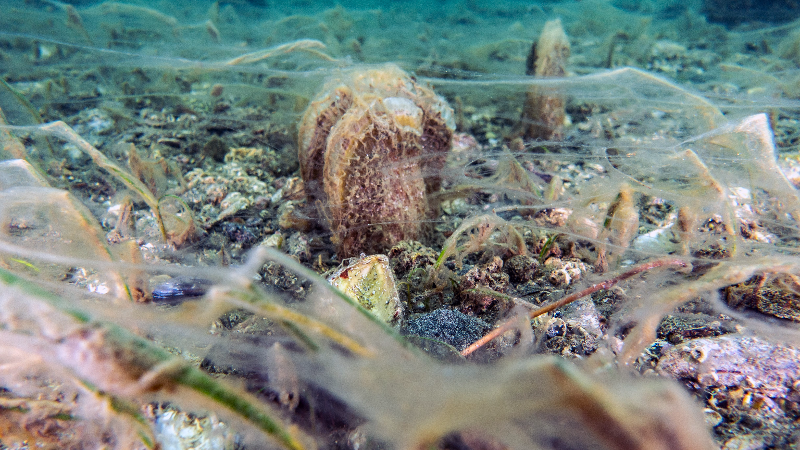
{"x":678,"y":148}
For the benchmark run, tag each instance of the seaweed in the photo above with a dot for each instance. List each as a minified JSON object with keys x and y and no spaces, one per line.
{"x":97,"y":353}
{"x":668,"y":197}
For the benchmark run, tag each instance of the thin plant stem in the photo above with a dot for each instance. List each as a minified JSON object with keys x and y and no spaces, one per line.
{"x":145,"y":355}
{"x":509,"y":324}
{"x":307,"y":45}
{"x":266,"y":253}
{"x":300,"y":322}
{"x":64,"y":131}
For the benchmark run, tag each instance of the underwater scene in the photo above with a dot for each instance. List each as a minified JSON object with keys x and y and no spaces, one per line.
{"x":452,"y":224}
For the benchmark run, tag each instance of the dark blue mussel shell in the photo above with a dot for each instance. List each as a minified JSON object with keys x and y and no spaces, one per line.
{"x":179,"y":289}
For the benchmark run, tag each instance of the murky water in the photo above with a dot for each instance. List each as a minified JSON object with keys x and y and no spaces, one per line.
{"x":179,"y":178}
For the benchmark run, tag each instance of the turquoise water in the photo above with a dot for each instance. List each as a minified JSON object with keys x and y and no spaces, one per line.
{"x":163,"y":142}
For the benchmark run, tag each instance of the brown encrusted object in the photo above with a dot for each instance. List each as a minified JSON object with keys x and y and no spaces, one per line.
{"x":372,"y":146}
{"x":543,"y":113}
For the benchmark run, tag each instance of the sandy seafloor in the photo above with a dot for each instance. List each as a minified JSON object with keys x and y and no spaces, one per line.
{"x":679,"y":143}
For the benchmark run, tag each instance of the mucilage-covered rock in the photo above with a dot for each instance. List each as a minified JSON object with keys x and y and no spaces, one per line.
{"x":372,"y":146}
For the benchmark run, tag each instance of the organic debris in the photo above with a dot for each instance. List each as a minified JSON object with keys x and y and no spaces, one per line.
{"x":583,"y":288}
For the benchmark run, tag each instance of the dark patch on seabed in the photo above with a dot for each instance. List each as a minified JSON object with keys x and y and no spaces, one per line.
{"x":556,"y":224}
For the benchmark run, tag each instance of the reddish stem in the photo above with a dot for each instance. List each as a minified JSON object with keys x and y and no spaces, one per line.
{"x":509,"y":324}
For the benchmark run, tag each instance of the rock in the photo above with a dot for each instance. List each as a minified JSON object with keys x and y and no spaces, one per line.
{"x":766,"y":368}
{"x":521,"y":268}
{"x":407,"y":256}
{"x":215,"y":148}
{"x":677,"y":328}
{"x":576,"y":332}
{"x":178,"y":430}
{"x":475,"y":287}
{"x":775,"y":296}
